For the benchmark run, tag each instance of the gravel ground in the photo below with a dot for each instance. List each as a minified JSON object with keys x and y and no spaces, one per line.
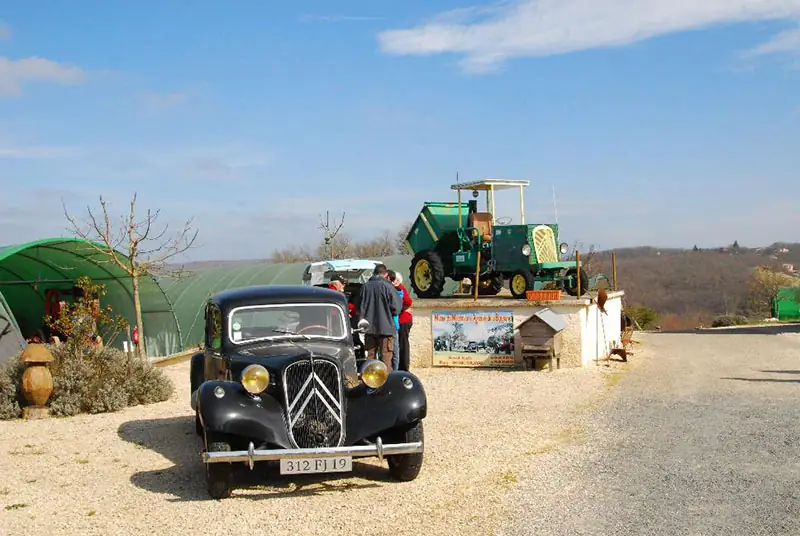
{"x":703,"y":439}
{"x":139,"y":469}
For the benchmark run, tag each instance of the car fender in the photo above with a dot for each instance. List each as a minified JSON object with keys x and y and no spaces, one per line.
{"x":373,"y":411}
{"x":196,"y":374}
{"x":240,"y":415}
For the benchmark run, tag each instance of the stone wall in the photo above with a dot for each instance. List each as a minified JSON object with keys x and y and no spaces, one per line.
{"x":582,"y":339}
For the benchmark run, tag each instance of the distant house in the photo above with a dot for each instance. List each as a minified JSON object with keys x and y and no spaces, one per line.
{"x":789,"y":267}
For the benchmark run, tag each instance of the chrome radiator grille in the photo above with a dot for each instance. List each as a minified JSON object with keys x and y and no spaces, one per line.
{"x":313,"y":403}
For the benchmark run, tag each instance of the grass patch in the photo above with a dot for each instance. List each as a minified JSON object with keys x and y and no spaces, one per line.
{"x":16,"y":506}
{"x":83,"y":461}
{"x":91,"y":513}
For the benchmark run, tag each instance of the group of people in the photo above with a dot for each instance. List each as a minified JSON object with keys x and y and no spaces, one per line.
{"x":386,"y":304}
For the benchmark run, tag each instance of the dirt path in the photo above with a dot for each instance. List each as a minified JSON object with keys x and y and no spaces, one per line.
{"x":703,"y":439}
{"x":139,"y":472}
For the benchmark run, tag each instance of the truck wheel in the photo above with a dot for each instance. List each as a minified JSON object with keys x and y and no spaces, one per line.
{"x":571,"y":287}
{"x":491,"y":286}
{"x":405,"y":467}
{"x":219,"y":476}
{"x":520,"y":283}
{"x":427,"y":274}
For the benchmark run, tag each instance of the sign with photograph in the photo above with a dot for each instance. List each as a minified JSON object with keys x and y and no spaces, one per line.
{"x":473,"y":338}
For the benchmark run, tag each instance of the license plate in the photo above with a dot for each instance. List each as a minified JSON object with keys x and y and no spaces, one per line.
{"x":339,"y":464}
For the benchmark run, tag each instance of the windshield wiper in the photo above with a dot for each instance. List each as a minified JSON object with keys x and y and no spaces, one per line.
{"x":290,"y":332}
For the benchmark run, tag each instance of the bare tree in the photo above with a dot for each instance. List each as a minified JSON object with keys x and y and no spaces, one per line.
{"x":400,"y":244}
{"x":338,"y":247}
{"x":378,"y":247}
{"x":291,"y":254}
{"x":147,"y":251}
{"x":330,"y":231}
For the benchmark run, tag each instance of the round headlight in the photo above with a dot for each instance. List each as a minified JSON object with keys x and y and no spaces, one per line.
{"x":374,"y":373}
{"x":563,"y":248}
{"x":255,"y":379}
{"x":526,"y":250}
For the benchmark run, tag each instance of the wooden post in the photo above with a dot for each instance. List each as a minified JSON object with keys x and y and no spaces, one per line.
{"x":614,"y":269}
{"x":128,"y":328}
{"x":578,"y":274}
{"x":478,"y":275}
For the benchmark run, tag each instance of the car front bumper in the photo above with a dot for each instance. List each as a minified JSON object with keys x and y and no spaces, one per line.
{"x":251,"y":455}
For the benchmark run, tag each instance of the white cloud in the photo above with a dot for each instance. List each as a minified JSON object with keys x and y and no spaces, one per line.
{"x":5,"y":31}
{"x":14,"y":74}
{"x":786,"y":42}
{"x":488,"y":36}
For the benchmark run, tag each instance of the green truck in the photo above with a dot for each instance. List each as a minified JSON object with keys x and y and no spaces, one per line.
{"x":458,"y":241}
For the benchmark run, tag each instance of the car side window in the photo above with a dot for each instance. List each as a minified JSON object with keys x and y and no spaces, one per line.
{"x":213,"y":328}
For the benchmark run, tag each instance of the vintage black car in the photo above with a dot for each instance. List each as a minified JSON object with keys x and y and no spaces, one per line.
{"x":277,"y":380}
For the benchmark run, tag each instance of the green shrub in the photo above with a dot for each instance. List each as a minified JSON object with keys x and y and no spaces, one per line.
{"x":10,"y":393}
{"x":646,"y":317}
{"x":95,"y":381}
{"x":726,"y":321}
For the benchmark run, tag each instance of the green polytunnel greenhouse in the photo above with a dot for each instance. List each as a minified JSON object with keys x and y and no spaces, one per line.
{"x":29,"y":271}
{"x":172,"y":308}
{"x":189,"y":293}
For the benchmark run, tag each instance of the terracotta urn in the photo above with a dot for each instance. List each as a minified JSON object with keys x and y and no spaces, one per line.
{"x":37,"y":382}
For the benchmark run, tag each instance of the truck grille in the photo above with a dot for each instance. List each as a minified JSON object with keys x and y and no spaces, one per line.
{"x":544,"y":244}
{"x":313,"y":403}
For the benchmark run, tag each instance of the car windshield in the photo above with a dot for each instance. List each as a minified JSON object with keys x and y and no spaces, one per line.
{"x":304,"y":321}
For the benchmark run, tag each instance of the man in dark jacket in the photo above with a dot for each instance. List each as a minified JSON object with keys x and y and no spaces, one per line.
{"x":379,"y":303}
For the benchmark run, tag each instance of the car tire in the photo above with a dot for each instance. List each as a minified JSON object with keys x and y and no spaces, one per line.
{"x":406,"y":467}
{"x":430,"y":266}
{"x":219,"y":476}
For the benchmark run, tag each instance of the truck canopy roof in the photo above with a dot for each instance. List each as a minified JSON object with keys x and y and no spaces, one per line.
{"x":490,"y":184}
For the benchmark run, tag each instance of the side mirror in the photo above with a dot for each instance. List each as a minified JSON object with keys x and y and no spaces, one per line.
{"x":363,"y":324}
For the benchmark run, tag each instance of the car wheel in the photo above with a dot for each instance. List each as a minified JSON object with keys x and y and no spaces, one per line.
{"x":219,"y":476}
{"x":405,"y":467}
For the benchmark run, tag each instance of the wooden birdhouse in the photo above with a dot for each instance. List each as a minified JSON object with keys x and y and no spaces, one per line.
{"x":541,"y":338}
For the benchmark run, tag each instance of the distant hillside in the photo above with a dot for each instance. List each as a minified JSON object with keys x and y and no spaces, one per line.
{"x":692,"y":283}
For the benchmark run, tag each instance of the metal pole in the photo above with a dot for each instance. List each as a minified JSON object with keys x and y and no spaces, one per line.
{"x":478,"y":275}
{"x":522,"y":205}
{"x":614,"y":268}
{"x":578,"y":274}
{"x":458,"y":189}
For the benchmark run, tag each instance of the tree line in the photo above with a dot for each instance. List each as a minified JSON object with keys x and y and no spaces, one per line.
{"x":344,"y":246}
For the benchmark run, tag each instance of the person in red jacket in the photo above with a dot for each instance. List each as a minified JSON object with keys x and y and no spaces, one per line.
{"x":337,"y":283}
{"x":406,"y":321}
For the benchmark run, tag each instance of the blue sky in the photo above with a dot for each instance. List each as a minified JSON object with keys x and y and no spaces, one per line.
{"x":662,"y":123}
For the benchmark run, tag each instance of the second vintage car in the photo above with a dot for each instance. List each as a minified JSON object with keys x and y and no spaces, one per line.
{"x":277,"y":380}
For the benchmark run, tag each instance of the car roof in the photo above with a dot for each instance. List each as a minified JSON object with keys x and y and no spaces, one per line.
{"x":276,"y":294}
